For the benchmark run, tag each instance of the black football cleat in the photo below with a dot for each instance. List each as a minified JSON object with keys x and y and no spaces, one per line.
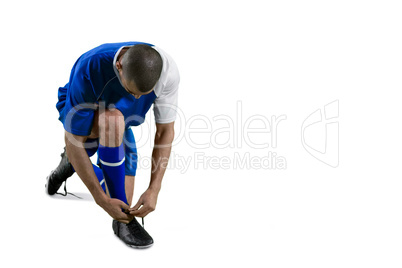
{"x":59,"y":175}
{"x":132,"y":234}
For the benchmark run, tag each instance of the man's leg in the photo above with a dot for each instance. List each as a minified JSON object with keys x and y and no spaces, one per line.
{"x":130,"y":149}
{"x":130,"y":188}
{"x":65,"y":169}
{"x":112,"y":158}
{"x":111,"y":152}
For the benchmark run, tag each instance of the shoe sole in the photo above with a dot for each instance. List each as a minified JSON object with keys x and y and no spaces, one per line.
{"x":139,"y":247}
{"x":132,"y":246}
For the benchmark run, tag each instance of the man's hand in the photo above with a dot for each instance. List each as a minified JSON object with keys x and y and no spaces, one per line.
{"x":146,"y":204}
{"x":115,"y":207}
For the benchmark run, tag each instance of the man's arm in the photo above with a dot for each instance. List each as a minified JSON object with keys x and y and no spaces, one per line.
{"x":160,"y":157}
{"x":82,"y":164}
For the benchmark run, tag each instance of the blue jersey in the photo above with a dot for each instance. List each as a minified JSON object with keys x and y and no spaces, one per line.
{"x":94,"y":82}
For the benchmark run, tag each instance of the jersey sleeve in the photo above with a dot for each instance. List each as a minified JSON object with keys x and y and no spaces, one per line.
{"x":80,"y":103}
{"x":166,"y":104}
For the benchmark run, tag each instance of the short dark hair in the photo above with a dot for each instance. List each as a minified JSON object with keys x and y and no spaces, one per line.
{"x":143,"y":65}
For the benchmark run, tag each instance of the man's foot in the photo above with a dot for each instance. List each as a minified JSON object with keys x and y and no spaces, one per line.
{"x":132,"y":234}
{"x":59,"y":175}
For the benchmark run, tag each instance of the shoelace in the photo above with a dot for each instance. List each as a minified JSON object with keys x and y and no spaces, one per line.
{"x":142,"y":219}
{"x":66,"y":193}
{"x":134,"y":227}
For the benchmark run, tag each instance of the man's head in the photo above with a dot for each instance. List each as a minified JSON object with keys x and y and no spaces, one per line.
{"x":139,"y":68}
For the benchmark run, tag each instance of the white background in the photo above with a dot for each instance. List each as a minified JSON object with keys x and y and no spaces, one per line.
{"x":276,"y":57}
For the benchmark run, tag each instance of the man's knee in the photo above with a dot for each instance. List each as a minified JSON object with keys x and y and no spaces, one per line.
{"x":110,"y":124}
{"x":107,"y":117}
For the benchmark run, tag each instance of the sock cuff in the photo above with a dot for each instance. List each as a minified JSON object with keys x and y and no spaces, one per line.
{"x":111,"y":155}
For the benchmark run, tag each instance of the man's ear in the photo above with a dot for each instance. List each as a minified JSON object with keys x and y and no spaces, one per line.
{"x":118,"y":65}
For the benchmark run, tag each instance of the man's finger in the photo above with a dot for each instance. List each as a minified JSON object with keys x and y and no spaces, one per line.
{"x":137,"y":212}
{"x":142,"y":212}
{"x":124,"y":221}
{"x":139,"y":203}
{"x":124,"y":206}
{"x":125,"y":218}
